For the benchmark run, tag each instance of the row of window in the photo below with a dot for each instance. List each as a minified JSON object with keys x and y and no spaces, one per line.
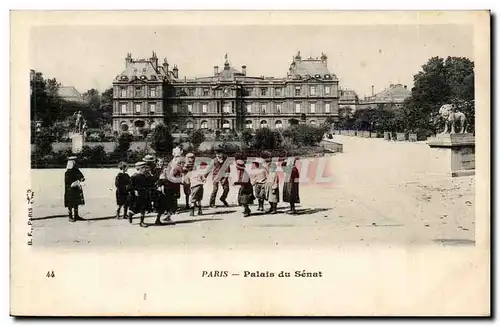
{"x":298,"y":108}
{"x":263,"y":91}
{"x":248,"y":124}
{"x":138,"y":92}
{"x":263,"y":108}
{"x":137,"y":108}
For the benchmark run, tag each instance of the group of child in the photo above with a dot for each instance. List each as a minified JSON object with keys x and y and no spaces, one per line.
{"x":156,"y":186}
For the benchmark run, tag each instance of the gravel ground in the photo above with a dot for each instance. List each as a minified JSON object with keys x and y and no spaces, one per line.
{"x":382,"y":193}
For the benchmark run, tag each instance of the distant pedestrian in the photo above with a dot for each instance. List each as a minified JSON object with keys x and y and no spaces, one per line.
{"x":258,"y":178}
{"x":245,"y":194}
{"x":122,"y":181}
{"x":73,"y":192}
{"x":138,"y":193}
{"x":272,"y":193}
{"x":291,"y":185}
{"x":220,"y":176}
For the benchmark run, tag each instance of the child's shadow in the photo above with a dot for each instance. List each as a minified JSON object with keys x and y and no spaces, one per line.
{"x":309,"y":211}
{"x":184,"y":221}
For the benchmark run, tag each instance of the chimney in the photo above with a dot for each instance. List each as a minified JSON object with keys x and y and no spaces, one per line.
{"x":216,"y":70}
{"x":391,"y":85}
{"x":175,"y":71}
{"x":128,"y":60}
{"x":406,"y":87}
{"x":154,"y":60}
{"x":373,"y":90}
{"x":244,"y":70}
{"x":324,"y":58}
{"x":165,"y":64}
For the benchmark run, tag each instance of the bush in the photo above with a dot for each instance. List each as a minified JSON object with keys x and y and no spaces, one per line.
{"x":304,"y":135}
{"x":267,"y":139}
{"x":196,"y":138}
{"x":229,"y":148}
{"x":246,"y":137}
{"x":43,"y":142}
{"x":162,"y":141}
{"x":90,"y":156}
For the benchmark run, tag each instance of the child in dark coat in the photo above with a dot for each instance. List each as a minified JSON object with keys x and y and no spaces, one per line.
{"x":138,"y":193}
{"x":73,"y":192}
{"x":245,"y":194}
{"x":122,"y":181}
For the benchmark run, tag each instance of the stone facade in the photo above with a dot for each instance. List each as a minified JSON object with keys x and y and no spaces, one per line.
{"x":228,"y":100}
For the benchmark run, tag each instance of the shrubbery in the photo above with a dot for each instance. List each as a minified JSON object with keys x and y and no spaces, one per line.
{"x":297,"y":140}
{"x":304,"y":135}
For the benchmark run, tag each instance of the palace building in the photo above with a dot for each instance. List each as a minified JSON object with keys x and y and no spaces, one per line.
{"x":147,"y":93}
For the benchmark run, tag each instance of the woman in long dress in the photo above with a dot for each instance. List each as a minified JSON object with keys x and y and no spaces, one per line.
{"x":73,"y":193}
{"x":291,"y":185}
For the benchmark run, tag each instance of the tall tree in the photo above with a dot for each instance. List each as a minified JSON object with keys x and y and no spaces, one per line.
{"x":107,"y":106}
{"x":440,"y":81}
{"x":45,"y":104}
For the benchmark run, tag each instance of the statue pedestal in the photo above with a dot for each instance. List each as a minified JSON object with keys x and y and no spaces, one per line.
{"x":455,"y":153}
{"x":77,"y":141}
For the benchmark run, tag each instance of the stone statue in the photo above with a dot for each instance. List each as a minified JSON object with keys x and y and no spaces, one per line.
{"x":450,"y":115}
{"x":80,"y":123}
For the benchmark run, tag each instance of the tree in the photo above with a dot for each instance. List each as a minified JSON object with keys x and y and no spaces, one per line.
{"x":440,"y":82}
{"x":161,"y":140}
{"x":106,"y":107}
{"x":45,"y":103}
{"x":196,"y":138}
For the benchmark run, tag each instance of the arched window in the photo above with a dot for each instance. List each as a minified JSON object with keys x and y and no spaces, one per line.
{"x":225,"y":124}
{"x":153,"y":125}
{"x":204,"y":124}
{"x":249,"y":124}
{"x":312,"y":122}
{"x":278,"y":124}
{"x":189,"y":125}
{"x":175,"y":128}
{"x":139,"y":123}
{"x":124,"y":126}
{"x":263,"y":124}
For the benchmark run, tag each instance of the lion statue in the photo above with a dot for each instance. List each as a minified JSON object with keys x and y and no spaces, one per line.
{"x":450,"y":115}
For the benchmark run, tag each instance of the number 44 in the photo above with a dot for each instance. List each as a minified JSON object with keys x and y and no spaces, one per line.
{"x":50,"y":274}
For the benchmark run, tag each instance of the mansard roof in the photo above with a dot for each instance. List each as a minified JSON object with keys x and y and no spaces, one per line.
{"x":143,"y":69}
{"x":310,"y":68}
{"x":394,"y":92}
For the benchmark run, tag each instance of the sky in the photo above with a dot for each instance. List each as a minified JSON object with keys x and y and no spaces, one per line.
{"x":360,"y":56}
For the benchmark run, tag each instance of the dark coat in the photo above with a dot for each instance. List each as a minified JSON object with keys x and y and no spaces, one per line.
{"x":291,"y":187}
{"x":245,"y":194}
{"x":139,"y":203}
{"x":73,"y":196}
{"x":167,"y":199}
{"x":122,"y":181}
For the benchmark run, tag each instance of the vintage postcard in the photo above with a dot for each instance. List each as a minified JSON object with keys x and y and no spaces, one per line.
{"x":250,"y":163}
